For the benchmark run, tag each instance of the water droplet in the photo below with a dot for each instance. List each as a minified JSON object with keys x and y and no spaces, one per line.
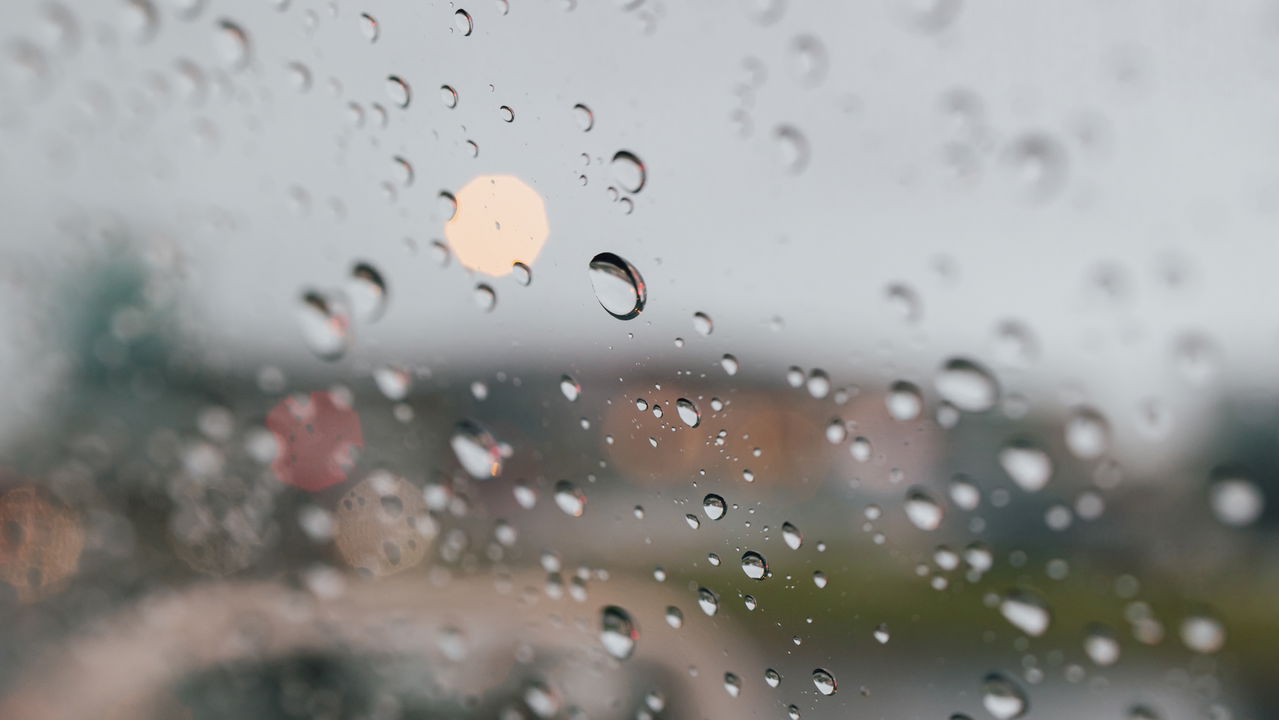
{"x":1026,"y":611}
{"x":824,"y":682}
{"x":139,"y":20}
{"x":485,"y":297}
{"x":1028,"y":466}
{"x":836,"y":432}
{"x":819,"y":579}
{"x":905,"y":301}
{"x":860,"y":449}
{"x":808,"y":59}
{"x":979,"y":557}
{"x":708,"y":601}
{"x":477,"y":450}
{"x":369,"y":27}
{"x":448,"y":96}
{"x":688,"y":412}
{"x":628,"y":171}
{"x":398,"y":91}
{"x":818,"y":383}
{"x":792,"y":148}
{"x":569,"y":498}
{"x":730,"y":364}
{"x":463,"y":23}
{"x":1002,"y":697}
{"x":732,"y":684}
{"x":967,"y":385}
{"x":1015,"y":344}
{"x":366,"y":291}
{"x":881,"y":633}
{"x":924,"y":512}
{"x":522,"y":273}
{"x":794,"y":539}
{"x":618,"y":633}
{"x":702,"y":324}
{"x":570,"y":388}
{"x":1235,"y":500}
{"x":1203,"y":634}
{"x":714,"y":506}
{"x":506,"y":113}
{"x":963,"y":493}
{"x":1038,"y":165}
{"x":1087,"y":434}
{"x":231,"y":45}
{"x":1102,"y":645}
{"x":772,"y":677}
{"x":618,"y":286}
{"x":674,"y":617}
{"x":394,"y":382}
{"x":904,"y":401}
{"x":1145,"y":712}
{"x":585,"y":118}
{"x":754,"y":565}
{"x":693,"y":521}
{"x":325,"y":323}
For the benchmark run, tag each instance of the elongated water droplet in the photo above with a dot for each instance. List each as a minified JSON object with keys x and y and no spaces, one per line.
{"x":924,"y":512}
{"x":1028,"y":466}
{"x":688,"y":412}
{"x":618,"y":286}
{"x":478,"y":452}
{"x":570,"y":498}
{"x":367,"y":292}
{"x":1026,"y":611}
{"x":708,"y":601}
{"x":794,"y":539}
{"x":967,"y":385}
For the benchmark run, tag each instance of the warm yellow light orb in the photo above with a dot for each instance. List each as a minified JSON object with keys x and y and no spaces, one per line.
{"x":499,"y":221}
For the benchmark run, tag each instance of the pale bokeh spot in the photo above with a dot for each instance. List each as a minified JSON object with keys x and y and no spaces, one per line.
{"x":499,"y":221}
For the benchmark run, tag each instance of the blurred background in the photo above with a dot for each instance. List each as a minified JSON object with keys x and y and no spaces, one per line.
{"x":560,"y":359}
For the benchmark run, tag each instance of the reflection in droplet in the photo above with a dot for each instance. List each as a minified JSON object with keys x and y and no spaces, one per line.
{"x":754,"y":565}
{"x":477,"y":450}
{"x":618,"y":286}
{"x":1002,"y":697}
{"x":824,"y":682}
{"x":570,"y":498}
{"x":619,"y":634}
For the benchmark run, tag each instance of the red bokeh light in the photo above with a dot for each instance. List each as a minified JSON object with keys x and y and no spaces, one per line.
{"x":318,"y":437}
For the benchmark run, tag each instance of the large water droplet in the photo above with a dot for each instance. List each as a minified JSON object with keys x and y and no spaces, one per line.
{"x":967,"y":385}
{"x":479,"y":453}
{"x":618,"y":633}
{"x":688,"y":412}
{"x":754,"y":565}
{"x":618,"y":286}
{"x":628,"y":171}
{"x":714,"y":507}
{"x":824,"y":682}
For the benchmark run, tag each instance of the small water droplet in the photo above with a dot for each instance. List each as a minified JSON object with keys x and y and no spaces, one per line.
{"x":732,"y":684}
{"x":674,"y":617}
{"x":708,"y":601}
{"x":730,"y":364}
{"x":366,"y":291}
{"x":485,"y":297}
{"x":325,"y":322}
{"x":1026,"y":611}
{"x":1087,"y":434}
{"x":792,"y":148}
{"x":448,"y":96}
{"x":369,"y":27}
{"x":791,"y":534}
{"x":904,"y":401}
{"x":1028,"y":466}
{"x":585,"y":118}
{"x":398,"y":91}
{"x":1102,"y":645}
{"x":772,"y":677}
{"x":702,"y":324}
{"x":463,"y":23}
{"x":688,"y":412}
{"x":881,"y":634}
{"x":571,"y":389}
{"x":1203,"y":634}
{"x":1235,"y":500}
